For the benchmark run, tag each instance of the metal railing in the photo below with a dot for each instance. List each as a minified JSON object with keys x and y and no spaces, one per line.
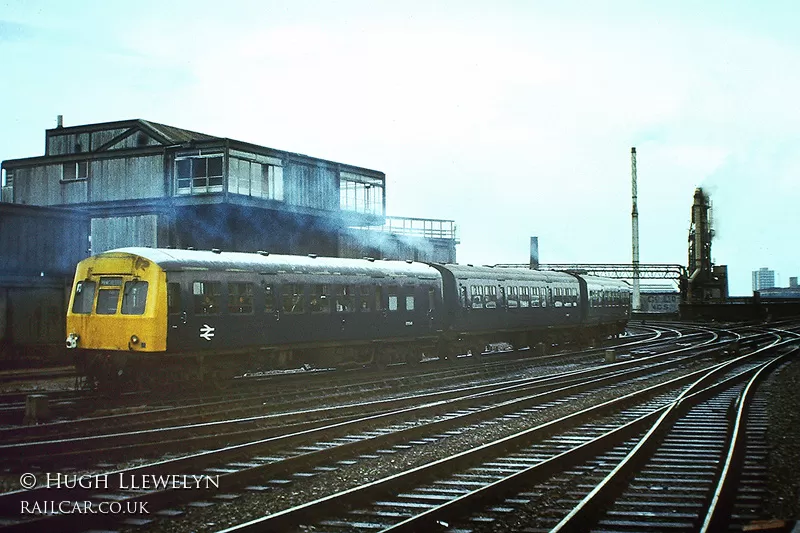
{"x":428,"y":228}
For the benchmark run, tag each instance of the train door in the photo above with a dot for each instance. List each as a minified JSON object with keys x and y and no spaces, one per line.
{"x":177,"y":317}
{"x":344,"y":308}
{"x":267,"y":302}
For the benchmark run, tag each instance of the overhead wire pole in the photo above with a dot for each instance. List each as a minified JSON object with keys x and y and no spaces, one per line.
{"x":635,"y":233}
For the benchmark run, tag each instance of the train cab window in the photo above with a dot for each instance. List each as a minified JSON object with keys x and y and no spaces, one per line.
{"x":345,"y":298}
{"x":524,"y":297}
{"x":491,"y":297}
{"x":293,"y":298}
{"x":206,"y":296}
{"x":365,"y":300}
{"x":512,"y":297}
{"x":240,"y":298}
{"x":108,"y":297}
{"x":269,"y":297}
{"x":84,"y":297}
{"x":393,"y":300}
{"x":107,"y":300}
{"x":431,"y":299}
{"x":173,"y":298}
{"x":318,"y":299}
{"x":134,"y":297}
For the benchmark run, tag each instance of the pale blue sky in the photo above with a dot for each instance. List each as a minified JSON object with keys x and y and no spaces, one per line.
{"x":513,"y":118}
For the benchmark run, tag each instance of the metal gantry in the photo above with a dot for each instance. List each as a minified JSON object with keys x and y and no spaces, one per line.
{"x":614,"y":270}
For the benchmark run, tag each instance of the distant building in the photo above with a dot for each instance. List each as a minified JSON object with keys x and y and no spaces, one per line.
{"x":780,"y":293}
{"x":763,"y":278}
{"x":659,"y":299}
{"x":793,"y":282}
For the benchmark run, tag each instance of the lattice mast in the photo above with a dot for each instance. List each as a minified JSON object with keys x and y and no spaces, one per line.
{"x":635,"y":303}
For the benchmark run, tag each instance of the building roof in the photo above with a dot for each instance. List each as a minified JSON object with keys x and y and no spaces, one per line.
{"x":172,"y":134}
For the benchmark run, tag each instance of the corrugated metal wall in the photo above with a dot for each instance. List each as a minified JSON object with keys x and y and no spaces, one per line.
{"x":38,"y":315}
{"x":118,"y":232}
{"x":40,"y":242}
{"x":310,"y":186}
{"x":41,"y":186}
{"x":67,"y":144}
{"x":126,"y":178}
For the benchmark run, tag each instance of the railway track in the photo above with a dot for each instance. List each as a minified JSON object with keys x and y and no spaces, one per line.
{"x":239,"y":465}
{"x":137,"y":412}
{"x":656,"y":470}
{"x":23,"y":447}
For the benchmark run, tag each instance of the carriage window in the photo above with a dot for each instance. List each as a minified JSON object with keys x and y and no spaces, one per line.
{"x":410,"y":301}
{"x":511,"y":296}
{"x":477,"y":296}
{"x":206,"y":296}
{"x":345,"y":298}
{"x":134,"y":297}
{"x":318,"y":302}
{"x":393,"y":298}
{"x":524,"y":297}
{"x":293,"y":298}
{"x":84,"y":297}
{"x":536,"y":299}
{"x":240,"y":298}
{"x":173,"y":298}
{"x":366,"y":298}
{"x":491,"y":297}
{"x":269,"y":298}
{"x":107,"y":300}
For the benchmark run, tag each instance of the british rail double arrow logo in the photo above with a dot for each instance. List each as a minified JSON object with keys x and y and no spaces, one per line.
{"x":207,"y":332}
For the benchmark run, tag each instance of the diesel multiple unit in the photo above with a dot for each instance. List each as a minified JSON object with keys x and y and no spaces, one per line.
{"x":159,"y":315}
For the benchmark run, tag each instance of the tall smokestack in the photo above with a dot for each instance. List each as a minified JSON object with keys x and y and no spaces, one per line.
{"x":534,"y":253}
{"x":634,"y":232}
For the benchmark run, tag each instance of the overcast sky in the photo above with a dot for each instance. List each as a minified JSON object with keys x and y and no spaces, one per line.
{"x":512,"y":118}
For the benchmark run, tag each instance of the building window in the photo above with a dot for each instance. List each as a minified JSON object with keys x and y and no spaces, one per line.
{"x":198,"y":174}
{"x":8,"y":178}
{"x":255,"y":175}
{"x":359,"y":193}
{"x":76,"y":170}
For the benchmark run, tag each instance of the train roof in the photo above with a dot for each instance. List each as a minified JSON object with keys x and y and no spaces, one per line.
{"x":181,"y":260}
{"x":503,"y":274}
{"x":595,"y":281}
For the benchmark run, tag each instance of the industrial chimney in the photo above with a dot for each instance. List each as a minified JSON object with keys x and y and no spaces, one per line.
{"x":534,"y":253}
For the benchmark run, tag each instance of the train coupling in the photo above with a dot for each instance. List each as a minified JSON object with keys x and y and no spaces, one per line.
{"x":72,"y":341}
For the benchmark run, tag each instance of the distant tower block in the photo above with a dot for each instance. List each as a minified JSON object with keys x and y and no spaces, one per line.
{"x":534,"y":253}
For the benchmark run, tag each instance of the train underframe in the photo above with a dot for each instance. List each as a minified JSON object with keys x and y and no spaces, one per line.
{"x":115,"y":371}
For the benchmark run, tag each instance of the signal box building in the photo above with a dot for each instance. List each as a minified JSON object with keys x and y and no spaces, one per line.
{"x":140,"y":183}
